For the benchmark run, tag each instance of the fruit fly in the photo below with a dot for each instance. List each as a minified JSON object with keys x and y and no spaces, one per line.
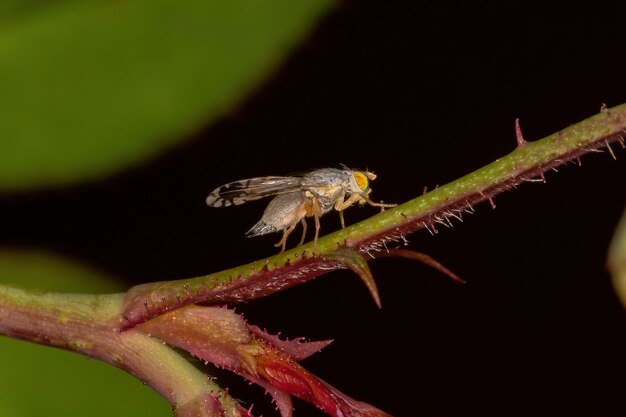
{"x":312,"y":194}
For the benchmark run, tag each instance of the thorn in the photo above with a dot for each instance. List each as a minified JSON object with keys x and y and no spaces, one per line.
{"x":423,"y":258}
{"x":621,"y":141}
{"x":518,"y":134}
{"x":425,"y":189}
{"x":357,"y":264}
{"x":610,"y":150}
{"x":543,"y":178}
{"x":604,"y":108}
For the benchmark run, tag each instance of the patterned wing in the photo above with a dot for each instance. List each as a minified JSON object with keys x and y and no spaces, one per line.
{"x":240,"y":192}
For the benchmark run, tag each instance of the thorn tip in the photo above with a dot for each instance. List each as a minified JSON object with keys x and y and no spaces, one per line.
{"x":518,"y":134}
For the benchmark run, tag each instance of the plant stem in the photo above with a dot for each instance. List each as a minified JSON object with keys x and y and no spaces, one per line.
{"x":89,"y":324}
{"x":527,"y":163}
{"x":104,"y":326}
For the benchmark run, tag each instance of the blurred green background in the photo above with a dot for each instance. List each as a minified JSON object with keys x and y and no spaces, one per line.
{"x":88,"y":88}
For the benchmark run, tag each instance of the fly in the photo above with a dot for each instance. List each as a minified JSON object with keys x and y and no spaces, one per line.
{"x":312,"y":194}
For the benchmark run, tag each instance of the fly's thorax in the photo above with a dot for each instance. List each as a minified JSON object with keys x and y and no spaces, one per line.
{"x":327,"y":183}
{"x":329,"y":176}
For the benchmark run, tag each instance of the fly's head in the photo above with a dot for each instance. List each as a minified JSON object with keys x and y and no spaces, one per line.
{"x":360,"y":183}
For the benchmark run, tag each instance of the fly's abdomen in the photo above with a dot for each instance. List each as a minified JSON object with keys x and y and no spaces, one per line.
{"x":261,"y":228}
{"x":282,"y":212}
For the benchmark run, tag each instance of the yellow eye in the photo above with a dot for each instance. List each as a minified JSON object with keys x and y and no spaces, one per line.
{"x":361,"y":180}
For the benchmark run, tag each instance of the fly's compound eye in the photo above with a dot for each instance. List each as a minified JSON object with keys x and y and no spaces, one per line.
{"x":362,"y":181}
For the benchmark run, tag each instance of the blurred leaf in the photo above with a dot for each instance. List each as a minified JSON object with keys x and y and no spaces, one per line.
{"x":89,"y":87}
{"x":42,"y":381}
{"x":617,"y":259}
{"x":46,"y":271}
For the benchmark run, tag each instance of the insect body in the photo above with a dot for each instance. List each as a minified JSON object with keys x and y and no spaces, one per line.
{"x":297,"y":197}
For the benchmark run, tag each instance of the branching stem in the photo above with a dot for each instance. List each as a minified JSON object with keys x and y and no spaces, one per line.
{"x":107,"y":327}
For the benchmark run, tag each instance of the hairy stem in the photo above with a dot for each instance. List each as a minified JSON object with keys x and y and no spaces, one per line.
{"x":527,"y":163}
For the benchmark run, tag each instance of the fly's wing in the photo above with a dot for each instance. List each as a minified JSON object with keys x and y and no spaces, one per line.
{"x":240,"y":192}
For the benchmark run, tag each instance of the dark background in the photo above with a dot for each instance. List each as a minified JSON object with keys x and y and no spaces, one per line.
{"x":422,"y":93}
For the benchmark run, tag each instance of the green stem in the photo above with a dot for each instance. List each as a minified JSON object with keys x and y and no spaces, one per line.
{"x":528,"y":162}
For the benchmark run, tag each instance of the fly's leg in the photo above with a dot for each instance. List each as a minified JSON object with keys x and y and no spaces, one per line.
{"x":283,"y":242}
{"x":366,"y":199}
{"x":382,"y":205}
{"x":313,"y":208}
{"x":304,"y":226}
{"x":317,"y":212}
{"x":341,"y":205}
